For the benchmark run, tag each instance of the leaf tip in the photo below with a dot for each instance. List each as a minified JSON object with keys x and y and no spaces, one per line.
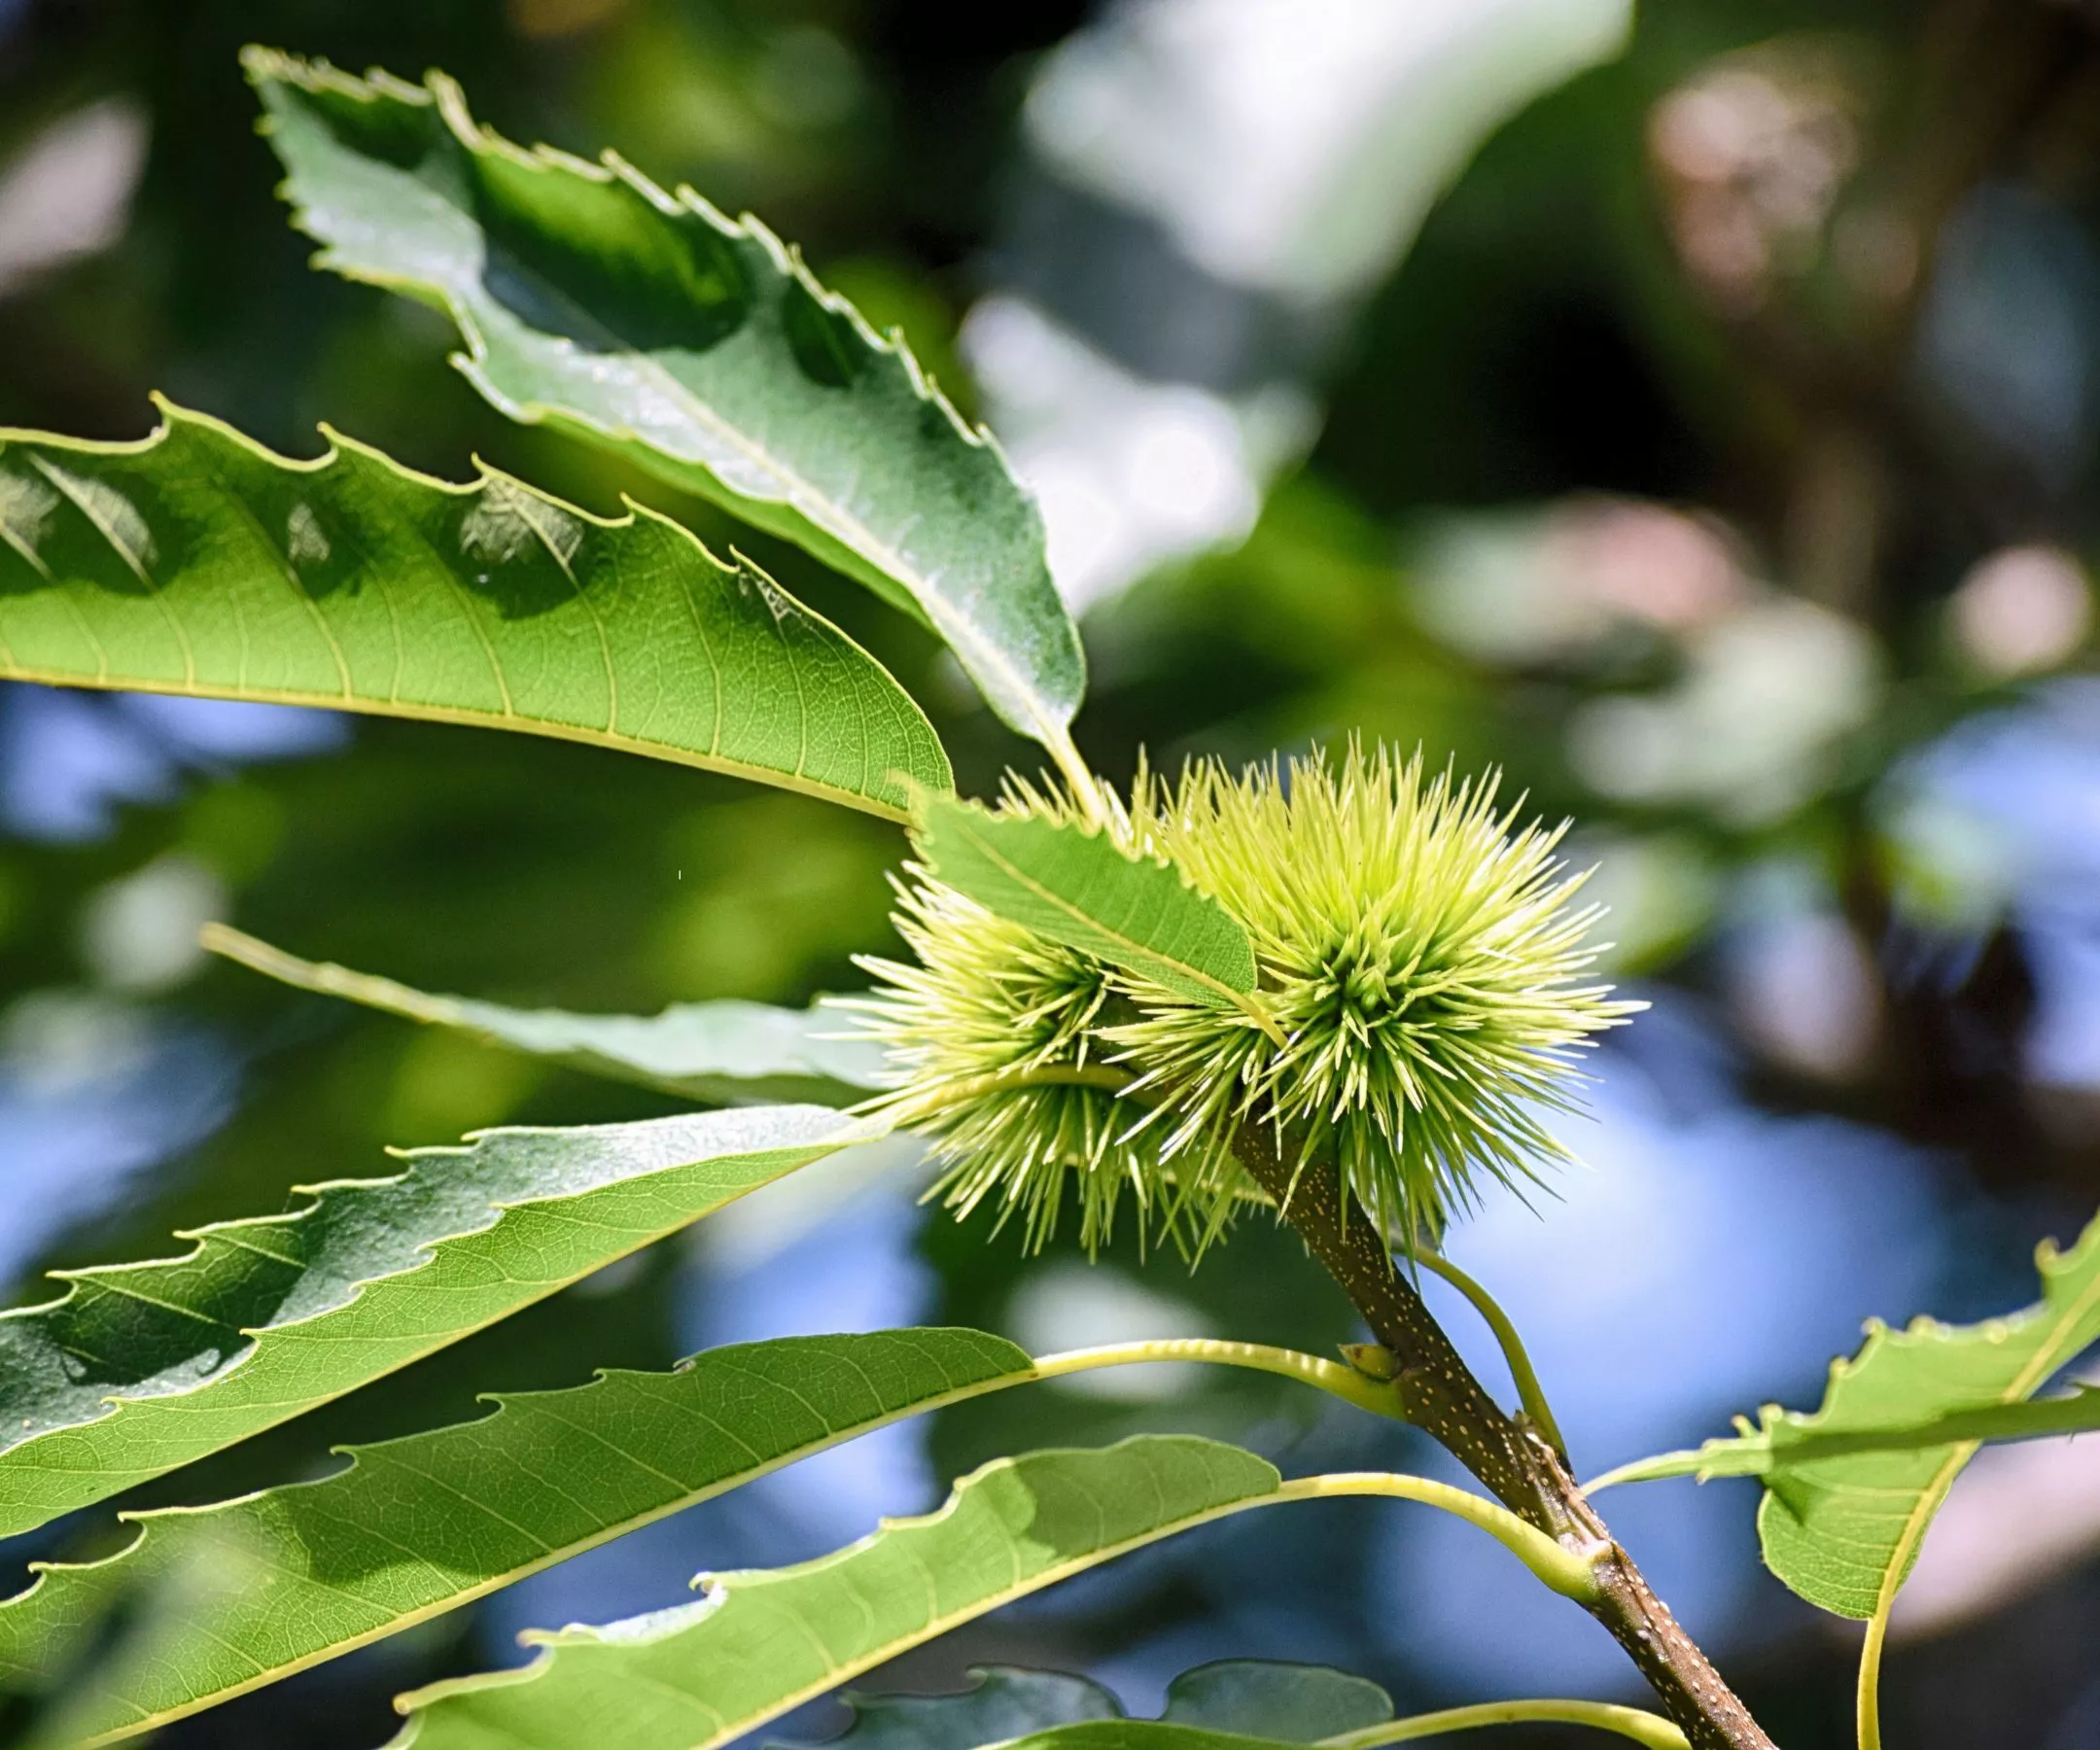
{"x":447,"y":94}
{"x":259,"y":61}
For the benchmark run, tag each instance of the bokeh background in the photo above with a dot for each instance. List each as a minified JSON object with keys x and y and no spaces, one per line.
{"x":1692,"y":412}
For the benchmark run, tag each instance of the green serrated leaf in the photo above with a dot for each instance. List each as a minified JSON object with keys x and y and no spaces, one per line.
{"x":1851,"y":1489}
{"x":697,"y":347}
{"x":237,"y":1595}
{"x":140,"y":1368}
{"x":197,"y":562}
{"x":1783,"y":1440}
{"x":701,"y":1674}
{"x":219,"y":1599}
{"x":1080,"y":887}
{"x":730,"y":1053}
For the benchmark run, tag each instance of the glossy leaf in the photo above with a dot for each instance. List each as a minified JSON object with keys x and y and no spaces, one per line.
{"x":1851,"y":1489}
{"x":197,"y":562}
{"x":1079,"y":887}
{"x":761,"y":1642}
{"x":140,"y":1368}
{"x":233,"y":1596}
{"x":730,"y":1053}
{"x":697,"y":347}
{"x":223,"y":1598}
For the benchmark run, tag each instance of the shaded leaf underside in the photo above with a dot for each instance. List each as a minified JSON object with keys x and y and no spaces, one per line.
{"x":1259,"y":1698}
{"x":141,"y":1368}
{"x":197,"y":562}
{"x":698,"y":348}
{"x":731,"y":1053}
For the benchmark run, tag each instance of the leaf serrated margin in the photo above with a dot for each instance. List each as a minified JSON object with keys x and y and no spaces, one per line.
{"x":713,"y":1671}
{"x":906,"y":742}
{"x":558,"y":1202}
{"x":1924,"y":1397}
{"x":271,"y":1566}
{"x":1032,"y":670}
{"x":237,"y":1583}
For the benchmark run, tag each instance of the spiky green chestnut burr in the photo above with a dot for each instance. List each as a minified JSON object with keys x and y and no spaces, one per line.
{"x":1422,"y":958}
{"x":1002,"y":1035}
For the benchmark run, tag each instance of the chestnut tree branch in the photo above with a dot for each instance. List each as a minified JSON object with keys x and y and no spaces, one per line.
{"x":1440,"y":1394}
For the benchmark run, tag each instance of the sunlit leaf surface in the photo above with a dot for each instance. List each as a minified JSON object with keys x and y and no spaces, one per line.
{"x":704,"y":1673}
{"x":233,"y":1596}
{"x":197,"y":562}
{"x":143,"y":1367}
{"x":697,"y":347}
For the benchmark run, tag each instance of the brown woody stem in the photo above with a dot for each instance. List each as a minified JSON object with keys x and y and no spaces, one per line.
{"x":1441,"y":1396}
